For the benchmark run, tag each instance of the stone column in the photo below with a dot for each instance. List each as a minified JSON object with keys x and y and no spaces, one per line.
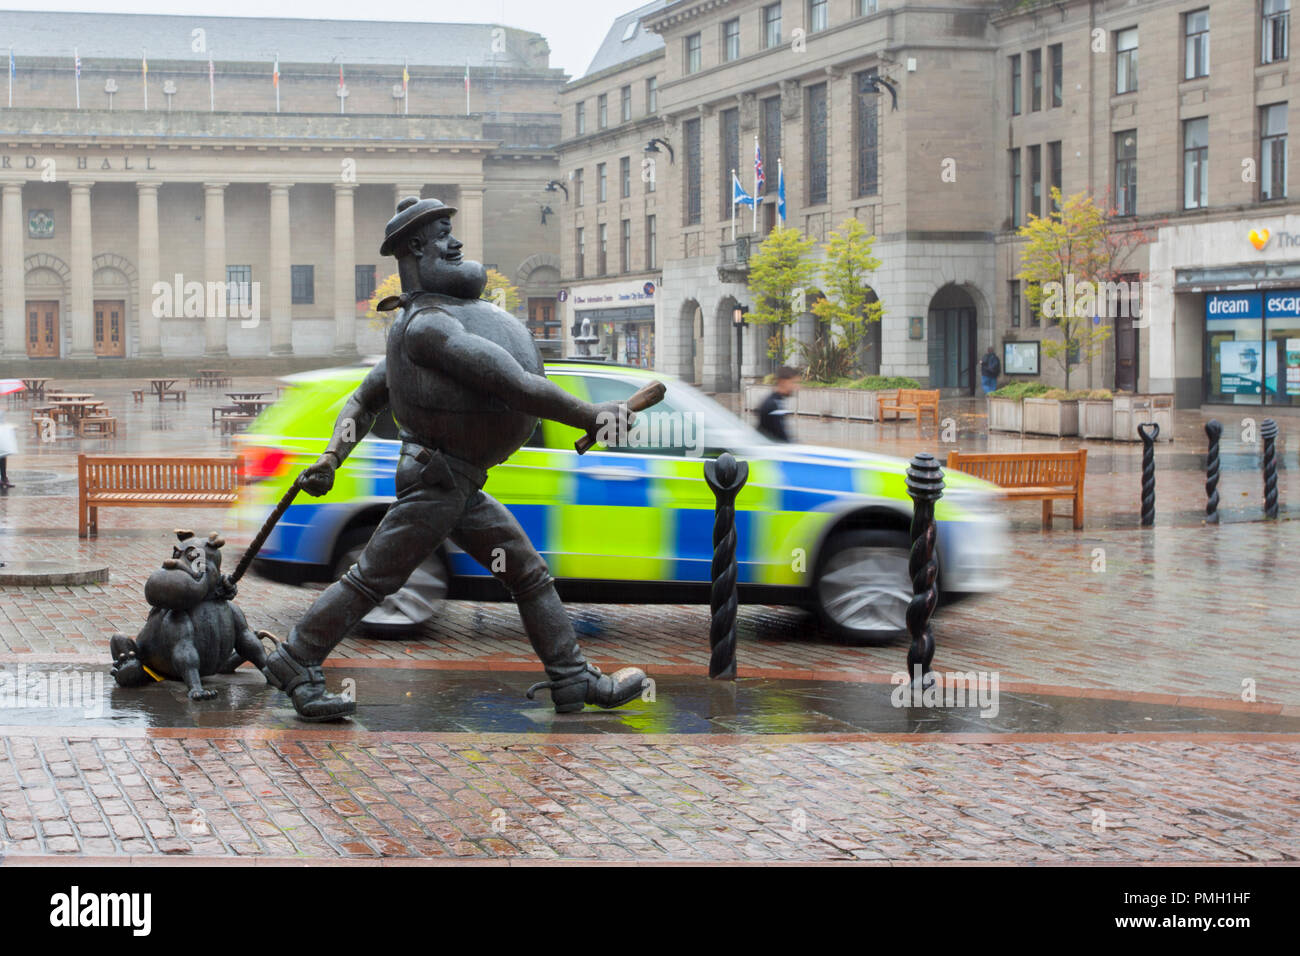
{"x":81,"y":298}
{"x":345,"y":261}
{"x":402,"y":190}
{"x":281,"y":272}
{"x":14,"y":274}
{"x":150,"y":325}
{"x":467,"y":225}
{"x":214,"y":266}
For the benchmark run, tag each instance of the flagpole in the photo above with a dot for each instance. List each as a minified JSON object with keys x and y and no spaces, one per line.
{"x":277,"y":82}
{"x":144,"y":76}
{"x":733,"y":205}
{"x":780,"y":189}
{"x":406,"y":93}
{"x":76,"y":66}
{"x":755,"y":226}
{"x":467,"y":87}
{"x":212,"y":85}
{"x":11,"y":77}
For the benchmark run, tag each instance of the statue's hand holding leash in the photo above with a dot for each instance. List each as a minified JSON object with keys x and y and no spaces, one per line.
{"x":318,"y":478}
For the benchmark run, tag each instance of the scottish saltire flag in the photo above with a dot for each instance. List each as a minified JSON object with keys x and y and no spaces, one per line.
{"x":738,"y":195}
{"x":760,"y":181}
{"x":780,"y":189}
{"x":77,"y":59}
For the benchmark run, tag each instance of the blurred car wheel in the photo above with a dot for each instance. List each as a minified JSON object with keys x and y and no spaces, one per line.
{"x":410,"y":608}
{"x":863,"y":588}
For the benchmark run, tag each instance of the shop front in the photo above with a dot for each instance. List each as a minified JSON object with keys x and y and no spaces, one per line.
{"x":1252,"y":347}
{"x":614,"y":321}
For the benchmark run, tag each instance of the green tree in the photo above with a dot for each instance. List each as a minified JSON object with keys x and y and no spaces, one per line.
{"x":780,"y":277}
{"x":501,"y":291}
{"x":392,"y":285}
{"x":1070,"y":258}
{"x":849,"y":306}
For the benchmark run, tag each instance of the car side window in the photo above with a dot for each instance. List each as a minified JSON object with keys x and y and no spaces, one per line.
{"x":660,"y":430}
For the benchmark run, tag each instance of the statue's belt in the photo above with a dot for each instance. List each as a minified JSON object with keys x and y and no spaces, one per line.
{"x":439,"y":466}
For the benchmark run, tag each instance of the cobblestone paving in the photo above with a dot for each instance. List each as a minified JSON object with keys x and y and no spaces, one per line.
{"x":1125,"y":801}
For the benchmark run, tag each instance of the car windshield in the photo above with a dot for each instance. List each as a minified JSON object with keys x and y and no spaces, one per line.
{"x":686,"y":422}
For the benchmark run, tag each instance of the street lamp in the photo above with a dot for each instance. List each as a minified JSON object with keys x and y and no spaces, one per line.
{"x":738,"y":320}
{"x":555,"y":185}
{"x":655,"y":143}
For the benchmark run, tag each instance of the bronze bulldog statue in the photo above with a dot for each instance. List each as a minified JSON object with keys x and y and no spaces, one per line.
{"x":193,"y":629}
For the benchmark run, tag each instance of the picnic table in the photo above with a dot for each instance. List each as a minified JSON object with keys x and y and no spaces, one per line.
{"x":160,"y":386}
{"x":208,"y":377}
{"x":35,"y":388}
{"x":78,"y":407}
{"x":249,"y":402}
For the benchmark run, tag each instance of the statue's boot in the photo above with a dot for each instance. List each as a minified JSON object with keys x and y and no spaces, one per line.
{"x":573,"y":681}
{"x":304,"y":682}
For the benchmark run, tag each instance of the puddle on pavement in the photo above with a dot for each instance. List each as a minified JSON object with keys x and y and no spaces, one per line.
{"x":456,"y":701}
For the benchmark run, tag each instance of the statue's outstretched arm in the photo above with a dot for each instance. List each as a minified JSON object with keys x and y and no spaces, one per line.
{"x":359,"y":412}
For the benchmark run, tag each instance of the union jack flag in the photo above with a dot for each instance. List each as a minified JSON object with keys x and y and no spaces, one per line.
{"x":760,"y":182}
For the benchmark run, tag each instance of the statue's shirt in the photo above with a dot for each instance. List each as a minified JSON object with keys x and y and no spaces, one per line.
{"x":447,"y":413}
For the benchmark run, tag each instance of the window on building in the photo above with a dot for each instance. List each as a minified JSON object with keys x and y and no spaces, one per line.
{"x":1272,"y":152}
{"x":625,"y":246}
{"x":651,"y":243}
{"x":729,"y":128}
{"x":1013,"y":300}
{"x":731,"y":40}
{"x":625,"y":177}
{"x":579,"y":193}
{"x":625,"y":104}
{"x":1035,"y":180}
{"x":818,"y":18}
{"x":771,"y":22}
{"x":817,"y":185}
{"x":1277,"y":29}
{"x":364,"y":282}
{"x":1126,"y":173}
{"x":302,"y":279}
{"x":239,"y":285}
{"x":866,"y":116}
{"x":1126,"y":60}
{"x":770,"y":138}
{"x":1053,"y":174}
{"x":651,"y":94}
{"x":601,"y":183}
{"x":694,"y":171}
{"x":580,"y":252}
{"x":1056,"y":57}
{"x":1017,"y":85}
{"x":1017,"y":195}
{"x":1196,"y":163}
{"x":602,"y":248}
{"x":579,"y":118}
{"x":693,"y":53}
{"x":1196,"y":44}
{"x":867,"y":7}
{"x":1035,"y":80}
{"x":602,"y":111}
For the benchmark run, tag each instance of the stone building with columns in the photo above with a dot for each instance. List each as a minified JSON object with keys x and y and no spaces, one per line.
{"x":208,"y":224}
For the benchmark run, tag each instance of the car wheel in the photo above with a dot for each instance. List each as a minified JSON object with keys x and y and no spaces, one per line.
{"x":862,"y":586}
{"x":409,"y":608}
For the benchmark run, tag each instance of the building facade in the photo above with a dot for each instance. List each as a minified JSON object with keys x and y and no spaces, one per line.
{"x":239,"y":213}
{"x":996,"y":103}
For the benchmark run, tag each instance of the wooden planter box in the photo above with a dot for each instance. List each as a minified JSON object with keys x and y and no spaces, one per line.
{"x":1096,"y":418}
{"x":1131,"y":409}
{"x":1006,"y":415}
{"x":1051,"y":416}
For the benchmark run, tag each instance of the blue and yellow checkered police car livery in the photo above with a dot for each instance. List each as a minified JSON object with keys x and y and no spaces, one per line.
{"x":820,"y":527}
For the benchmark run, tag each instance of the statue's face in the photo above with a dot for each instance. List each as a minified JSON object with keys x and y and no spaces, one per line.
{"x":442,"y":268}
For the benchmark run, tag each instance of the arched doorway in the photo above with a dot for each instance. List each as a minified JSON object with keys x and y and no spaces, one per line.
{"x":727,"y":360}
{"x":951,"y":335}
{"x":45,"y":295}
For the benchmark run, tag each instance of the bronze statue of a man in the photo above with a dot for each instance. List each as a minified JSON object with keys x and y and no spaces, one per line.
{"x":466,"y":385}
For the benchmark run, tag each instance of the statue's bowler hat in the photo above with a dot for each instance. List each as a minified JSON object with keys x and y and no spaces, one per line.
{"x":411,"y":213}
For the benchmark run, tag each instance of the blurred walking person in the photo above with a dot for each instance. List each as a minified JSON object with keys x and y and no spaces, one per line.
{"x":990,"y":369}
{"x":8,"y":445}
{"x":773,"y":412}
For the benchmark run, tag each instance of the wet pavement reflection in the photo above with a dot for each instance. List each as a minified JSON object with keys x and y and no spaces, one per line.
{"x":474,"y":701}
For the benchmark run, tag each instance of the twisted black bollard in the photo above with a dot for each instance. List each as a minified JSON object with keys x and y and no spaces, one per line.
{"x":1212,"y":431}
{"x":726,"y":477}
{"x":1148,"y":472}
{"x":1268,"y":432}
{"x":924,"y":487}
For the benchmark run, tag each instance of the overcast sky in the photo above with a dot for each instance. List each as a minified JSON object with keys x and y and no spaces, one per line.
{"x":574,"y":28}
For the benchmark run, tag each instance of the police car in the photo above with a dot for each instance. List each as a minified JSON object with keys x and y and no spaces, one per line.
{"x":822,"y":528}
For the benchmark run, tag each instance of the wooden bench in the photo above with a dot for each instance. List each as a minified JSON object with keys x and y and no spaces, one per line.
{"x":1042,"y":476}
{"x":138,"y":395}
{"x":920,"y":401}
{"x":232,"y":423}
{"x":102,"y":425}
{"x":129,"y":482}
{"x":174,"y":393}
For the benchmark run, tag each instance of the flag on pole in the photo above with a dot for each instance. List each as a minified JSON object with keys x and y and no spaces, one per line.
{"x":275,"y":81}
{"x":760,"y":182}
{"x":467,"y":87}
{"x":341,"y":88}
{"x":406,"y":82}
{"x":780,"y":190}
{"x":11,"y":76}
{"x":144,"y":77}
{"x":76,"y":59}
{"x":212,"y":85}
{"x":738,"y":195}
